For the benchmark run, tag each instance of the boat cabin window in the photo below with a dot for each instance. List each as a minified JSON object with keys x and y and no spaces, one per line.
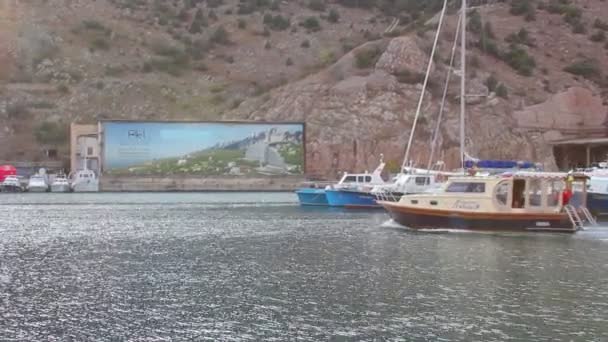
{"x":350,"y":179}
{"x":534,"y":193}
{"x":554,"y":189}
{"x":364,"y":179}
{"x":519,"y":186}
{"x":466,"y":187}
{"x":502,"y":193}
{"x":422,"y":180}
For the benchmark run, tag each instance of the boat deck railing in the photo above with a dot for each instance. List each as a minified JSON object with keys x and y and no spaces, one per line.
{"x":386,"y":196}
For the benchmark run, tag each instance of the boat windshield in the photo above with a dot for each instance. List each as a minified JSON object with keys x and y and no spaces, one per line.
{"x":474,"y":187}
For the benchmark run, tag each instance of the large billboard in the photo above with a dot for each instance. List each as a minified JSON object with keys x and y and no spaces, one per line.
{"x":203,"y":148}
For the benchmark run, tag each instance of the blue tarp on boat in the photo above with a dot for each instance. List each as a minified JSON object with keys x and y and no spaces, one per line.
{"x":499,"y":164}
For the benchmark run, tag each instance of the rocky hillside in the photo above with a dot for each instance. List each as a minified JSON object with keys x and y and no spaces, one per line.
{"x":352,"y":69}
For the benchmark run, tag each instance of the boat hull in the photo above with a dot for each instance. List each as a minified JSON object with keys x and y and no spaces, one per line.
{"x":11,"y":188}
{"x":312,"y":197}
{"x":351,"y":199}
{"x":597,"y":203}
{"x":416,"y":218}
{"x":37,"y":189}
{"x":86,"y":187}
{"x":60,"y":188}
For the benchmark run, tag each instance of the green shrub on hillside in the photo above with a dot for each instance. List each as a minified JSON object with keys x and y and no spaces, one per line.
{"x":311,"y":23}
{"x":51,"y":133}
{"x":366,"y":58}
{"x":518,"y":59}
{"x":587,"y":68}
{"x":522,"y":7}
{"x":521,"y":37}
{"x":333,"y":16}
{"x":501,"y":91}
{"x":220,"y":36}
{"x":276,"y":22}
{"x":491,"y":82}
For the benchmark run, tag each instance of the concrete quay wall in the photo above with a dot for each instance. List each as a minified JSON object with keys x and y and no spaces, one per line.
{"x":181,"y":183}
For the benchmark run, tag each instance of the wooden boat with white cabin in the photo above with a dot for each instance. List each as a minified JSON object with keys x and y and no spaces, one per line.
{"x":522,"y":201}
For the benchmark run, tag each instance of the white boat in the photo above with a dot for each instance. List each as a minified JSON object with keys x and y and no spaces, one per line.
{"x":11,"y":184}
{"x":37,"y":183}
{"x":60,"y":184}
{"x":85,"y":181}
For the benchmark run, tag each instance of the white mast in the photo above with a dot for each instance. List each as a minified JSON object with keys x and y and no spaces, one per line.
{"x":463,"y":36}
{"x":424,"y":84}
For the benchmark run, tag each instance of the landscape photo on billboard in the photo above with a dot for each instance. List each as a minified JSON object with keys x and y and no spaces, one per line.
{"x":203,"y":148}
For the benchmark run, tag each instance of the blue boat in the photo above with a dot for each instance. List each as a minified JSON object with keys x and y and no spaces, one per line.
{"x":353,"y":191}
{"x":351,"y":199}
{"x":312,"y":196}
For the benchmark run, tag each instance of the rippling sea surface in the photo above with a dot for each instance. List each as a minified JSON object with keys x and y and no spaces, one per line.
{"x":256,"y":267}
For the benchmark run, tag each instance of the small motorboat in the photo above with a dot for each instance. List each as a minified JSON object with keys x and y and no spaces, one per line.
{"x":37,"y":183}
{"x":11,"y":184}
{"x":352,"y":191}
{"x":60,"y":184}
{"x":85,"y":181}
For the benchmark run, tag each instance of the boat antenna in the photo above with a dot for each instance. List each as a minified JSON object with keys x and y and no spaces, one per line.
{"x":445,"y":93}
{"x":424,"y":84}
{"x":463,"y":43}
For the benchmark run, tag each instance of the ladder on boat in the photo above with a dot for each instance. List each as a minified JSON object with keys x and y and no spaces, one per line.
{"x":588,"y":216}
{"x":578,"y":223}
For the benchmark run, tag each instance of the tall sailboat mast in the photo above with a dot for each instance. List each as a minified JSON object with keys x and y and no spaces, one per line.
{"x":463,"y":43}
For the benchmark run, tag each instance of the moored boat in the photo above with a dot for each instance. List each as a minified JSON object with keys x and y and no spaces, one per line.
{"x":11,"y":184}
{"x":85,"y":181}
{"x":37,"y":183}
{"x":523,"y":201}
{"x":354,"y":190}
{"x":60,"y":184}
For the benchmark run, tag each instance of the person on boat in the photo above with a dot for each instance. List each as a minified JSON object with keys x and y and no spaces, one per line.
{"x":567,"y":193}
{"x":473,"y":170}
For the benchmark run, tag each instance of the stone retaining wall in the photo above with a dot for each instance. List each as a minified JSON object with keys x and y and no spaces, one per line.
{"x":122,"y":183}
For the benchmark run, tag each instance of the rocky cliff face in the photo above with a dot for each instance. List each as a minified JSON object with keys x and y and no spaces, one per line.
{"x":536,"y":73}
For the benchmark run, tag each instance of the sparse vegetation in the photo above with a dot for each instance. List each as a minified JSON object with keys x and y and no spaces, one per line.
{"x":333,"y":16}
{"x":276,"y":22}
{"x":410,"y":77}
{"x":600,"y":25}
{"x":198,"y":23}
{"x":317,"y":5}
{"x":99,"y":44}
{"x":501,"y":91}
{"x":311,"y":23}
{"x":599,"y":36}
{"x":51,"y":133}
{"x":518,"y":59}
{"x":289,"y":61}
{"x":587,"y":68}
{"x":305,"y":43}
{"x":521,"y":37}
{"x":242,"y":24}
{"x":95,"y":25}
{"x":366,"y":58}
{"x":220,"y":36}
{"x":63,"y":89}
{"x":491,"y":82}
